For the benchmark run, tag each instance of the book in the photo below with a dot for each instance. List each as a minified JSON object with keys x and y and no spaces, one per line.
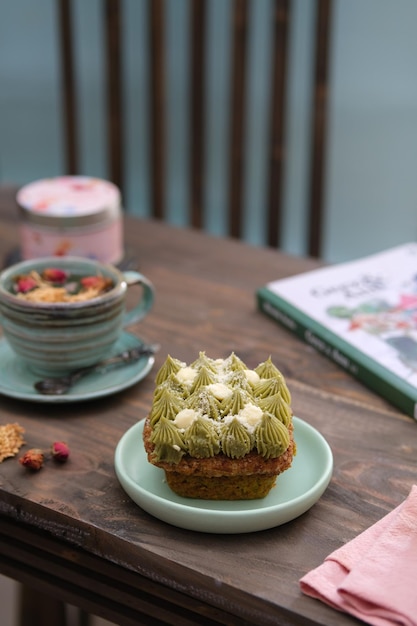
{"x":362,"y":314}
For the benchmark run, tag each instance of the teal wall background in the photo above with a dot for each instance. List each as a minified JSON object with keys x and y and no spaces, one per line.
{"x":371,"y":190}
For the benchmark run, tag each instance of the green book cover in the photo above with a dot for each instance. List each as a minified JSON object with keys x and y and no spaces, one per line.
{"x":361,"y":314}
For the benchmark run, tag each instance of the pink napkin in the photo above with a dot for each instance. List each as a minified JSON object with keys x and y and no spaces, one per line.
{"x":374,"y":576}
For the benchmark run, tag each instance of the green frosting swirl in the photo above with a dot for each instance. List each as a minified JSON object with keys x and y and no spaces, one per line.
{"x":271,"y":436}
{"x":202,"y":439}
{"x":204,"y":361}
{"x":234,"y":403}
{"x":173,"y":385}
{"x":167,"y":405}
{"x":268,"y":370}
{"x":270,"y":386}
{"x":285,"y":392}
{"x":267,"y":387}
{"x":234,"y":364}
{"x":206,"y":403}
{"x":239,"y":379}
{"x":170,"y":366}
{"x":235,"y":439}
{"x":277,"y":406}
{"x":169,"y":444}
{"x":204,"y":377}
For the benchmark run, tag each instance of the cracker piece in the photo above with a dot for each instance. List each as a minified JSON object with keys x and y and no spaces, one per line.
{"x":11,"y":440}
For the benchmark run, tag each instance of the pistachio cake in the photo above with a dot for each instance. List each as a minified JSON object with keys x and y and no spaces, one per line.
{"x":220,"y":430}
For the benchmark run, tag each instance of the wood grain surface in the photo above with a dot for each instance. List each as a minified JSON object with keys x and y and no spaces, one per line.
{"x":72,"y":531}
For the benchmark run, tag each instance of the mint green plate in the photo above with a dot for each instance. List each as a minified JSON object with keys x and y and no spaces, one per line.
{"x":295,"y":492}
{"x":17,"y":380}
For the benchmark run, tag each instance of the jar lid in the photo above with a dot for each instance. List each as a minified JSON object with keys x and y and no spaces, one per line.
{"x":69,"y":201}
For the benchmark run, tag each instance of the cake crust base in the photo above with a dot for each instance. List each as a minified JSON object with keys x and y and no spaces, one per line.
{"x":220,"y":487}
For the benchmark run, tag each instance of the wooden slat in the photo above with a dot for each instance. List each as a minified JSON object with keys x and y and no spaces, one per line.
{"x":319,"y":127}
{"x":237,"y":118}
{"x":112,"y":20}
{"x":68,"y":86}
{"x":157,"y":107}
{"x":277,"y":132}
{"x":197,"y":95}
{"x":101,"y":588}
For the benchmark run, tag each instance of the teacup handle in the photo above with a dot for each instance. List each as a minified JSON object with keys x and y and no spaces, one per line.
{"x":146,"y":301}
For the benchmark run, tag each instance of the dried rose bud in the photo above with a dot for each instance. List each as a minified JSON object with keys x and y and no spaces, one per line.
{"x":54,"y":275}
{"x":32,"y":459}
{"x":60,"y":451}
{"x":96,"y":282}
{"x":25,"y":284}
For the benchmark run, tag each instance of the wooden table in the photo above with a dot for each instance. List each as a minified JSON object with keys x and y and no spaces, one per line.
{"x":73,"y":533}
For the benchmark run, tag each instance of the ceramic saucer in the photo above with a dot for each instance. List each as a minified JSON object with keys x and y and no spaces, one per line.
{"x":296,"y":491}
{"x":17,"y":380}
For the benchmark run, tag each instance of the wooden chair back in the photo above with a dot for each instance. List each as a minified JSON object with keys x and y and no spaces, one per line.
{"x":112,"y":15}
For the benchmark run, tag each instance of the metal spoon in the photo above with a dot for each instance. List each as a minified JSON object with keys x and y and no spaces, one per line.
{"x":60,"y":385}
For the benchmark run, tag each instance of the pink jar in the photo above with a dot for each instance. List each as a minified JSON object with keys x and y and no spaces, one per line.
{"x":71,"y":216}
